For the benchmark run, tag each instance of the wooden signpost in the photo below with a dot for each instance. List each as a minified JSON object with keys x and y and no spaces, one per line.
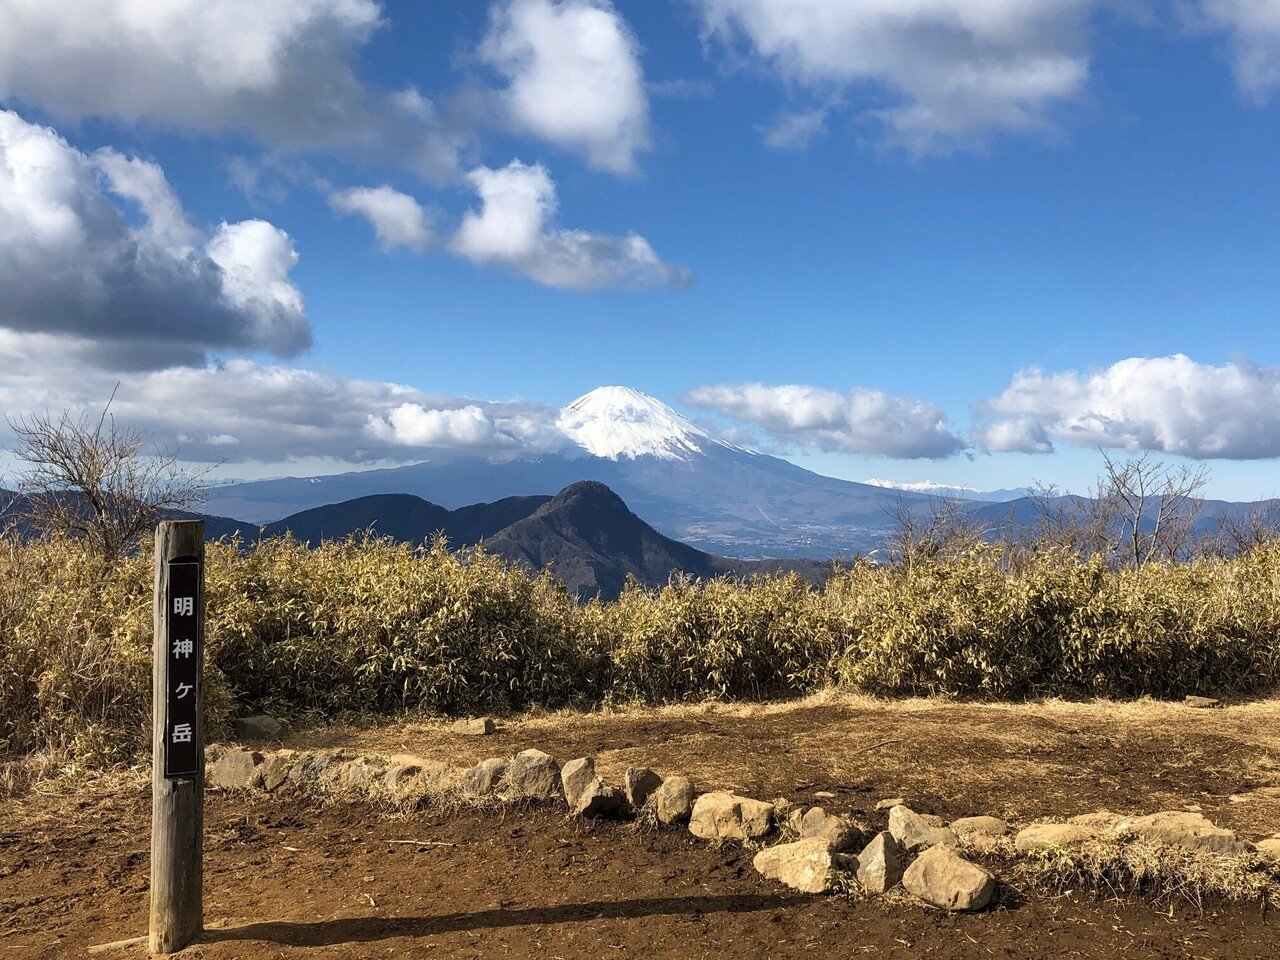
{"x":177,"y":743}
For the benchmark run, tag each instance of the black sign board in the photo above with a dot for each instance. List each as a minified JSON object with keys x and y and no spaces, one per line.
{"x":182,"y":746}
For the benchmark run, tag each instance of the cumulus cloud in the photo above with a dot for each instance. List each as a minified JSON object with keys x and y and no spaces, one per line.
{"x":1168,"y":405}
{"x":491,"y":427}
{"x":280,"y":71}
{"x":514,"y":228}
{"x":398,"y":219}
{"x":242,"y":411}
{"x":937,"y":74}
{"x":72,"y":264}
{"x":1254,"y":29}
{"x":573,"y":77}
{"x":863,"y":421}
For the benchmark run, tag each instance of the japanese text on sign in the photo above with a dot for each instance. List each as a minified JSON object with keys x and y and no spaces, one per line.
{"x":182,"y":721}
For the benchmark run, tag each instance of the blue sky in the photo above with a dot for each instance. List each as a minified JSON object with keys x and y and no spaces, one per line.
{"x":1078,"y":196}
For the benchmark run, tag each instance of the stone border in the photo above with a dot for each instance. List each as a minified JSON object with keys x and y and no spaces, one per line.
{"x":916,"y":851}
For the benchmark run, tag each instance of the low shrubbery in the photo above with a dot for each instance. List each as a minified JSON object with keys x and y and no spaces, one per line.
{"x":365,"y":625}
{"x":1118,"y":865}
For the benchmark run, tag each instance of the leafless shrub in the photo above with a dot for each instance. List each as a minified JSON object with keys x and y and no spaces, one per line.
{"x":1141,"y":509}
{"x":1237,"y":535}
{"x":91,"y":478}
{"x":943,"y":531}
{"x":1155,"y":507}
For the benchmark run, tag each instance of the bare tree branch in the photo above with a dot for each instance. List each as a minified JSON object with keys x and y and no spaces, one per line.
{"x":87,"y":477}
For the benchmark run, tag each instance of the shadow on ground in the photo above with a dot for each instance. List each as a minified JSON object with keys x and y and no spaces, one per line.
{"x":371,"y":929}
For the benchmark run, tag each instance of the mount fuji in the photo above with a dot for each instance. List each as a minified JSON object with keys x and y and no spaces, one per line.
{"x":675,"y":475}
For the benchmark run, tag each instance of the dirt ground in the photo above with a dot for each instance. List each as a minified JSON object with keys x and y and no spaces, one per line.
{"x":1017,"y":761}
{"x":287,"y":877}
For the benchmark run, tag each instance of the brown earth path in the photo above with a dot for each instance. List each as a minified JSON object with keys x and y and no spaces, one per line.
{"x":1017,"y":761}
{"x":289,"y":878}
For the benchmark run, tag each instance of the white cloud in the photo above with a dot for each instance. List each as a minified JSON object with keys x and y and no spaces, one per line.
{"x":397,"y":218}
{"x":255,"y":258}
{"x":493,"y":427}
{"x":795,"y":131}
{"x":71,"y":264}
{"x":937,"y":74}
{"x":1254,"y":28}
{"x":145,"y":184}
{"x":242,"y":411}
{"x":513,"y":227}
{"x":1168,"y":405}
{"x":866,"y":422}
{"x":574,"y":77}
{"x":200,"y":64}
{"x":280,"y":71}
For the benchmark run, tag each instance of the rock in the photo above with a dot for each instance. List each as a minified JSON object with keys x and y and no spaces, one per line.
{"x":979,"y":826}
{"x":795,"y":819}
{"x":804,"y":865}
{"x":839,"y":832}
{"x":1188,"y":831}
{"x":943,"y":878}
{"x":260,"y":727}
{"x":638,"y":784}
{"x":1045,"y":837}
{"x":276,"y":769}
{"x":1100,"y":819}
{"x":311,"y":767}
{"x":824,"y":795}
{"x":232,"y":768}
{"x":674,"y":800}
{"x":410,"y":778}
{"x":1269,"y":849}
{"x":889,"y":803}
{"x":358,"y":777}
{"x":484,"y":778}
{"x":1202,"y":703}
{"x":917,"y":831}
{"x":575,"y":777}
{"x":404,"y":780}
{"x":881,"y":862}
{"x":719,"y":815}
{"x":596,"y":799}
{"x":477,"y":727}
{"x":533,"y":775}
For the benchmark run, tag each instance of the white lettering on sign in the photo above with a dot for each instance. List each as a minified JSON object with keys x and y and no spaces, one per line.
{"x":183,"y":690}
{"x":183,"y":648}
{"x":182,"y":733}
{"x":184,"y":606}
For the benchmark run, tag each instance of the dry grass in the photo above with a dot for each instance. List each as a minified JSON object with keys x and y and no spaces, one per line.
{"x":1125,"y":866}
{"x":370,"y":627}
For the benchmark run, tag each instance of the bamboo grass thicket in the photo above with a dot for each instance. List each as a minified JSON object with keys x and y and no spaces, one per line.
{"x":368,"y":626}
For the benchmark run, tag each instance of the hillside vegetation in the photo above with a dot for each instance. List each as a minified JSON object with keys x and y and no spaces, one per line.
{"x":370,"y":626}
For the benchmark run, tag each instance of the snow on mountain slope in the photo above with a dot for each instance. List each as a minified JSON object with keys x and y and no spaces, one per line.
{"x":930,"y":488}
{"x":619,"y":422}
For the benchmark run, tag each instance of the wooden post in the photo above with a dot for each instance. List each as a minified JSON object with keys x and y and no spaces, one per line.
{"x":177,"y":745}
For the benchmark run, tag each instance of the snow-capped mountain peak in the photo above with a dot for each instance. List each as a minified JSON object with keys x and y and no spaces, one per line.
{"x":618,"y":422}
{"x":954,"y":491}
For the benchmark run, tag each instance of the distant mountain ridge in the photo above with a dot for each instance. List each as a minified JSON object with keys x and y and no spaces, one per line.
{"x":932,"y":489}
{"x":676,"y":476}
{"x":405,"y":518}
{"x":585,"y":535}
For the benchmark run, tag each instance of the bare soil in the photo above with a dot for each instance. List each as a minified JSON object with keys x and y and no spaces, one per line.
{"x":287,"y":877}
{"x":1017,"y":761}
